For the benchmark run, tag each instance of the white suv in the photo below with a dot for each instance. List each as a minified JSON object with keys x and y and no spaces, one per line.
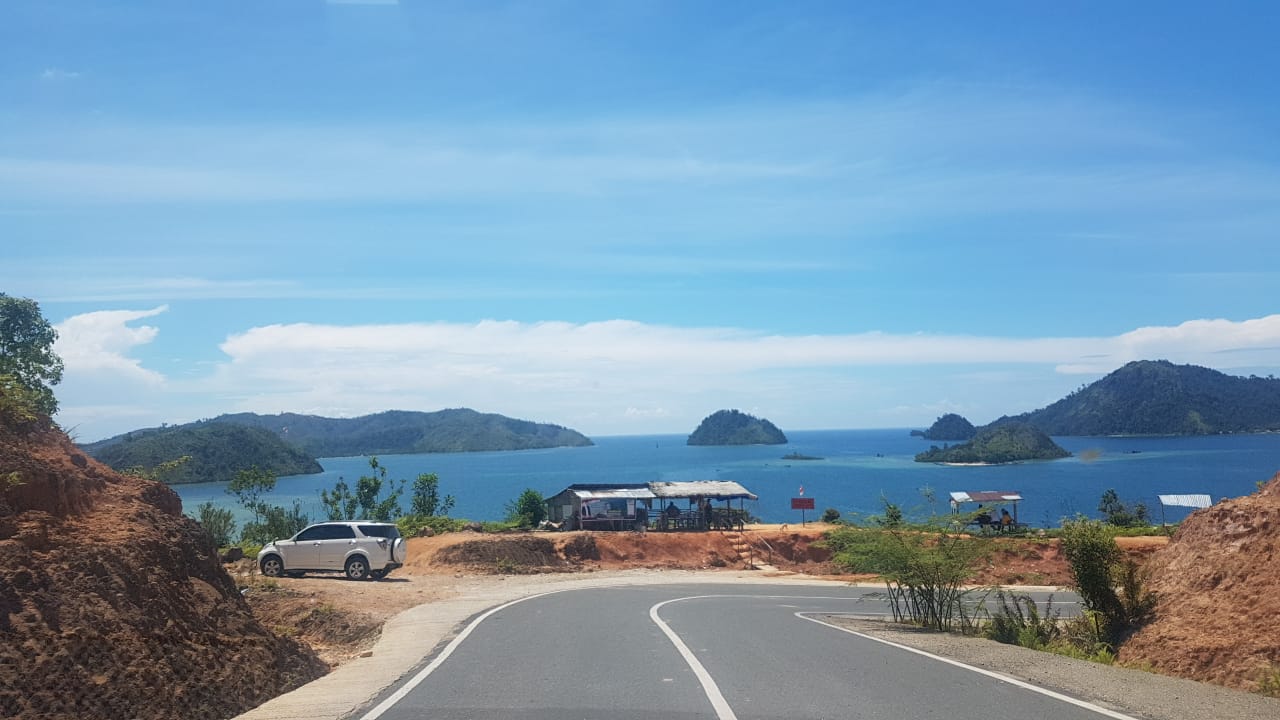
{"x":362,"y":550}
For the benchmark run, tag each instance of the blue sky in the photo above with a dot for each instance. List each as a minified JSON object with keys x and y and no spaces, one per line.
{"x":623,"y":216}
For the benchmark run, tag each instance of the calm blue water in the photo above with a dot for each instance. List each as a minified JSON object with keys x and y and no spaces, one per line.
{"x":859,"y":467}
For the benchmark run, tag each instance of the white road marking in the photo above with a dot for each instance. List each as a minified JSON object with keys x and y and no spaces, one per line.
{"x":1002,"y":678}
{"x":431,"y":667}
{"x":721,"y":706}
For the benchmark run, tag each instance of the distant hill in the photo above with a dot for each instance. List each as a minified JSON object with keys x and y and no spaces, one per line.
{"x":948,"y":427}
{"x":398,"y":431}
{"x":732,"y":427}
{"x":1002,"y":442}
{"x":1156,"y":397}
{"x":217,"y":450}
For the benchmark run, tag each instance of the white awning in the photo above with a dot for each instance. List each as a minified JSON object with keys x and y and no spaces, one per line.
{"x":1195,"y":501}
{"x":986,"y":496}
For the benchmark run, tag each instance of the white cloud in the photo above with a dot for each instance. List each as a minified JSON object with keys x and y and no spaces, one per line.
{"x":622,"y":376}
{"x":56,"y":74}
{"x":100,"y":342}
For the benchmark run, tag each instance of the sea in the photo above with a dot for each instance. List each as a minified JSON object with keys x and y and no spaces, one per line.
{"x":858,"y":471}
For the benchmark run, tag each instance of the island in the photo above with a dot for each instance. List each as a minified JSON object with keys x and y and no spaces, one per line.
{"x":1156,"y":397}
{"x":950,"y":427}
{"x":733,"y":427}
{"x":215,"y":452}
{"x":998,"y":443}
{"x":287,"y":444}
{"x":800,"y":456}
{"x":399,"y":431}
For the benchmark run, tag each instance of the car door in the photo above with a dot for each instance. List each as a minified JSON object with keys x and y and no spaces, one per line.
{"x":334,"y":546}
{"x":303,"y":551}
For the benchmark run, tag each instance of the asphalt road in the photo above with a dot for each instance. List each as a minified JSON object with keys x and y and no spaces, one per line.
{"x":695,"y":651}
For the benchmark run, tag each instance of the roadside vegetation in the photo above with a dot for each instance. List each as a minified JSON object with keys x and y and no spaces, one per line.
{"x":928,"y":567}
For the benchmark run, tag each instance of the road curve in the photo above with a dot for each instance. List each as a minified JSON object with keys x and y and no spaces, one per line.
{"x":718,"y":652}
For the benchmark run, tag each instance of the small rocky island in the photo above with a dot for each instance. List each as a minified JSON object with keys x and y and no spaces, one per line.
{"x":733,"y":427}
{"x":950,"y":427}
{"x":1005,"y":442}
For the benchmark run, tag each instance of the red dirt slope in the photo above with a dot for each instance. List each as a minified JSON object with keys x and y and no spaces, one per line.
{"x":1218,"y":617}
{"x":114,"y":605}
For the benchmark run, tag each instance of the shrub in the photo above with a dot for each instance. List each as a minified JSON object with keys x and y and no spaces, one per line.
{"x":527,"y":510}
{"x":830,"y":515}
{"x":426,"y":496}
{"x":1019,"y":622}
{"x":218,"y":522}
{"x":1114,"y":590}
{"x":412,"y":525}
{"x":1269,"y":681}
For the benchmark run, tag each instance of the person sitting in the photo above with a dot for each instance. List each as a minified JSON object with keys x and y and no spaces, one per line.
{"x":984,"y":519}
{"x":1006,"y":520}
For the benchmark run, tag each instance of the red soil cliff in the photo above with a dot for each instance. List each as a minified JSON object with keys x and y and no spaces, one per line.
{"x":1218,"y":615}
{"x":114,"y":605}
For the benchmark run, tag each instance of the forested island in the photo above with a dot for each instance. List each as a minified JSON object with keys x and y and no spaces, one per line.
{"x":215,"y":451}
{"x":399,"y":431}
{"x":949,"y":427}
{"x":1001,"y":442}
{"x":733,"y":427}
{"x":288,"y":444}
{"x":1156,"y":397}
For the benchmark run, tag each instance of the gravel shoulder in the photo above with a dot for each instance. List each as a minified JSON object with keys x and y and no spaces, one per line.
{"x":1133,"y":692}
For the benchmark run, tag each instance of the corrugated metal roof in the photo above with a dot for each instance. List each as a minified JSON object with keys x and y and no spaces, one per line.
{"x":986,"y":496}
{"x":599,"y":493}
{"x":719,"y":489}
{"x":1195,"y":501}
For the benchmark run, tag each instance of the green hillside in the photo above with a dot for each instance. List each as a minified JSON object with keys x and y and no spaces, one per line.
{"x":1156,"y":397}
{"x":217,"y":451}
{"x":948,"y":427}
{"x":732,"y":427}
{"x":397,"y":432}
{"x":1005,"y":442}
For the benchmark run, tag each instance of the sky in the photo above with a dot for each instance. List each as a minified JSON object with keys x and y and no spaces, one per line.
{"x":621,"y":217}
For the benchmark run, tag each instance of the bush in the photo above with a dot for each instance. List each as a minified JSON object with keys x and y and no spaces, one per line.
{"x":219,"y":523}
{"x":1019,"y":622}
{"x":924,"y":566}
{"x":412,"y":525}
{"x":527,"y":510}
{"x":830,"y":515}
{"x":1113,"y":589}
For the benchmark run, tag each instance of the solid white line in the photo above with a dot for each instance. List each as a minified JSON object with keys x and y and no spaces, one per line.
{"x":1002,"y":678}
{"x":721,"y":706}
{"x":431,"y":667}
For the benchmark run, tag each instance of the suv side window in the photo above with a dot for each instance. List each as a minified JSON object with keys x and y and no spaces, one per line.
{"x":311,"y":533}
{"x":338,"y":532}
{"x":382,"y":531}
{"x":327,"y":532}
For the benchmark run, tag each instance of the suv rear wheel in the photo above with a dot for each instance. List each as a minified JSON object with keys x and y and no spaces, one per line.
{"x":272,"y":566}
{"x":357,"y":568}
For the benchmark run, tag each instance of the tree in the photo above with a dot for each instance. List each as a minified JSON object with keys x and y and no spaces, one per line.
{"x":1119,"y":514}
{"x":366,"y":501}
{"x":249,"y":486}
{"x":426,"y":500}
{"x":528,"y":509}
{"x":339,"y":504}
{"x":1111,"y":588}
{"x":26,"y":350}
{"x":218,"y":522}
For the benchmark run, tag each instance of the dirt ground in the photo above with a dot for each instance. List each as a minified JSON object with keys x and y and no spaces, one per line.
{"x":341,"y":619}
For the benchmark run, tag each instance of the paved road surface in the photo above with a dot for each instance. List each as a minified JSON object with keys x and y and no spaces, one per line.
{"x":695,"y":651}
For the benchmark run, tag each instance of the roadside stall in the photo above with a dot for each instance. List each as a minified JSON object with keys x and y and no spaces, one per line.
{"x":601,"y":507}
{"x":691,"y":505}
{"x":988,"y":502}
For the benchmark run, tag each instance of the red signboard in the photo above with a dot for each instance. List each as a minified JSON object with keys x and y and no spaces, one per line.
{"x":802,"y":503}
